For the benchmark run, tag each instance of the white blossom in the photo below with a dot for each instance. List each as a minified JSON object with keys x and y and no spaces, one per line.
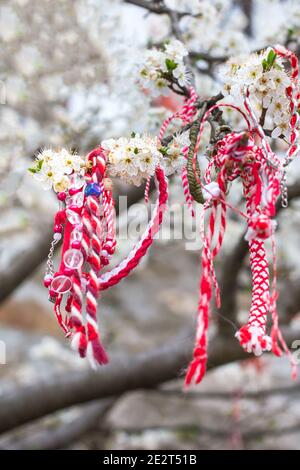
{"x":48,"y":177}
{"x":53,"y":169}
{"x":133,"y":159}
{"x":174,"y":159}
{"x":265,"y":77}
{"x":158,"y":65}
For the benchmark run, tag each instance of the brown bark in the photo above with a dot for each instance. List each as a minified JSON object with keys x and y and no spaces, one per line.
{"x":60,"y":389}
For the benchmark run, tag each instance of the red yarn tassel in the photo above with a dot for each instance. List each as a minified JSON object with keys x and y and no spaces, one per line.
{"x":197,"y":367}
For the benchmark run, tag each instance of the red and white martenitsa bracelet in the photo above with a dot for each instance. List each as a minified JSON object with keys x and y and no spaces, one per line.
{"x":246,"y":155}
{"x":85,"y":222}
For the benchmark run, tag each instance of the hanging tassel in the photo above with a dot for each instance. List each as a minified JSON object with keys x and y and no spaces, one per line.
{"x":197,"y":367}
{"x":253,"y":337}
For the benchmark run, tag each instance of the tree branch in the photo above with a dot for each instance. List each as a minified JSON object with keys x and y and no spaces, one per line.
{"x":57,"y":434}
{"x":25,"y":260}
{"x":157,"y":7}
{"x":60,"y":389}
{"x":150,"y":6}
{"x":199,"y":104}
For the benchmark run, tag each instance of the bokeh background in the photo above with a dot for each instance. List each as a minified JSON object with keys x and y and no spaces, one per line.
{"x":68,"y":77}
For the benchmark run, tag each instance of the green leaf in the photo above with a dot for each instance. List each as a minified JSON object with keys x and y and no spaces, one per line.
{"x":40,"y":164}
{"x":163,"y":150}
{"x":171,"y":65}
{"x":32,"y":170}
{"x":265,"y":65}
{"x":269,"y":62}
{"x":133,"y":134}
{"x":271,"y":57}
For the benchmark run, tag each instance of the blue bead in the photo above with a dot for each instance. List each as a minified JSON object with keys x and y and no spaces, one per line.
{"x":92,"y":189}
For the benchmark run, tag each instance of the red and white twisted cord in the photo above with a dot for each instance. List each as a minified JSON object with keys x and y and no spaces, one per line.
{"x":110,"y":242}
{"x":123,"y":269}
{"x":95,"y":351}
{"x":79,"y":341}
{"x":293,"y":94}
{"x":197,"y":366}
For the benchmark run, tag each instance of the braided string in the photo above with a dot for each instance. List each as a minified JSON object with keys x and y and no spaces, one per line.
{"x":253,"y":336}
{"x":240,"y":157}
{"x":186,"y":188}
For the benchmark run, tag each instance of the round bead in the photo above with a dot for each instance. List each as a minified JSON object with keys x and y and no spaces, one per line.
{"x":76,"y":244}
{"x":60,"y":217}
{"x":262,"y":224}
{"x":73,"y":259}
{"x":92,"y":189}
{"x":47,"y":280}
{"x":104,"y":260}
{"x":61,"y":284}
{"x":57,"y":228}
{"x":76,"y":235}
{"x":61,"y":196}
{"x":110,"y":249}
{"x":57,"y":236}
{"x":73,"y":217}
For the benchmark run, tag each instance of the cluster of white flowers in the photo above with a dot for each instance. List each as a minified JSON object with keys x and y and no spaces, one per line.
{"x":161,"y":65}
{"x":134,"y":159}
{"x":53,"y":169}
{"x":265,"y":77}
